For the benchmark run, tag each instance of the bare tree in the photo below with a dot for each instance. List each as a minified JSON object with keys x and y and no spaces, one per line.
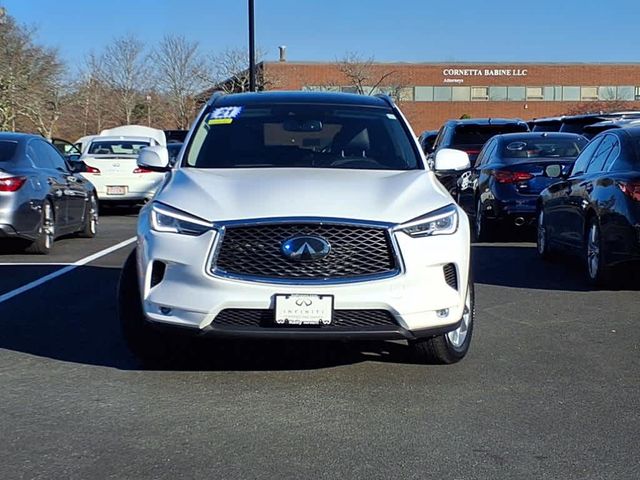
{"x":231,"y":73}
{"x":125,"y":69}
{"x":181,"y":75}
{"x":600,"y":106}
{"x":363,"y":75}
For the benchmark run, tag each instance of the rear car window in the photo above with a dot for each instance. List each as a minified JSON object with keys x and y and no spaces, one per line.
{"x":7,"y":150}
{"x":111,"y":147}
{"x":302,"y":135}
{"x":543,"y":148}
{"x":479,"y":134}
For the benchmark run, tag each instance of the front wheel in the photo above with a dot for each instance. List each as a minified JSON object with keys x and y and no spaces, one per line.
{"x":452,"y":346}
{"x":149,"y":345}
{"x":90,"y":224}
{"x":598,"y":273}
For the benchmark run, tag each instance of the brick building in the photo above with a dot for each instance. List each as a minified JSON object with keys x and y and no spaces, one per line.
{"x":430,"y":93}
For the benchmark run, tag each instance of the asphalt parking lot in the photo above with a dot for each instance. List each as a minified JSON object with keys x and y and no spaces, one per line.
{"x":550,"y":389}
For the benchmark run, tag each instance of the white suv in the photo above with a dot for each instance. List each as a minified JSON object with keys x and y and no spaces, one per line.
{"x":300,"y":216}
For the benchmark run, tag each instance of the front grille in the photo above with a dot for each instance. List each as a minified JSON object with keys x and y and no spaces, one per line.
{"x":450,"y":275}
{"x":342,"y":319}
{"x":356,"y":251}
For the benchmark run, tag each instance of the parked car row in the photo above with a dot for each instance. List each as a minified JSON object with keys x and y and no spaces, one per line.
{"x":582,"y":197}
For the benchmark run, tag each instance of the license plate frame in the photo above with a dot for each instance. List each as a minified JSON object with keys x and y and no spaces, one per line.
{"x":300,"y":310}
{"x":116,"y":189}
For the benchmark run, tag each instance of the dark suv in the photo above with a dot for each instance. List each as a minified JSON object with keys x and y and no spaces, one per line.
{"x":470,"y":135}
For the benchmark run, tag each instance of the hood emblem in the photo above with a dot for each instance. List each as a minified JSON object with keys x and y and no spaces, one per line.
{"x":305,"y":248}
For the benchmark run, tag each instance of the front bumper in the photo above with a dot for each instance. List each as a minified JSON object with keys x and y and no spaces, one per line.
{"x":419,"y":300}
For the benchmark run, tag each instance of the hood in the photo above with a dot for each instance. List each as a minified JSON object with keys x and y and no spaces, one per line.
{"x":236,"y":194}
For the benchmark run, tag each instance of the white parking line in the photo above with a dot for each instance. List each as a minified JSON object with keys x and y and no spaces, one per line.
{"x":83,"y":261}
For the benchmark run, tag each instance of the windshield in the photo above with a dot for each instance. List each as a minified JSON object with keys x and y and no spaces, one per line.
{"x":479,"y":134}
{"x":7,"y":150}
{"x":302,"y":135}
{"x":117,"y":147}
{"x":543,"y":148}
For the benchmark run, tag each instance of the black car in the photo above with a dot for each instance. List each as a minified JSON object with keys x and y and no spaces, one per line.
{"x":173,"y":148}
{"x":470,"y":135}
{"x":427,"y":139}
{"x":503,"y":186}
{"x":594,"y":210}
{"x":41,"y":197}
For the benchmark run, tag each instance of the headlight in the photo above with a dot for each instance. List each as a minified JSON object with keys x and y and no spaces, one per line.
{"x":167,"y":219}
{"x":443,"y":221}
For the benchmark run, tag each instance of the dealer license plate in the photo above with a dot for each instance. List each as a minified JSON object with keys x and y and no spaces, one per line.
{"x":118,"y":190}
{"x":304,"y":309}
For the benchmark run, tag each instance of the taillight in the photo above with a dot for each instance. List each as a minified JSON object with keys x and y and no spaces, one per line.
{"x":11,"y":184}
{"x":632,"y":189}
{"x":506,"y":176}
{"x":142,"y":170}
{"x":471,"y":151}
{"x":91,"y":169}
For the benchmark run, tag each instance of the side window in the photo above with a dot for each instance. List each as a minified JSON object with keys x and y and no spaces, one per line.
{"x":613,"y":156}
{"x":438,"y":140}
{"x":585,"y":156}
{"x":485,"y":154}
{"x":41,"y":157}
{"x":56,"y":160}
{"x":600,"y":157}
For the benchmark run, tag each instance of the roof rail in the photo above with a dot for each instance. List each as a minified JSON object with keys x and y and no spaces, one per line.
{"x":214,"y":96}
{"x":386,"y":98}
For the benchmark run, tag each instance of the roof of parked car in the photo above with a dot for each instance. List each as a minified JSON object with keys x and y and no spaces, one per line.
{"x":259,"y":98}
{"x":486,"y":121}
{"x":531,"y":135}
{"x":17,"y":137}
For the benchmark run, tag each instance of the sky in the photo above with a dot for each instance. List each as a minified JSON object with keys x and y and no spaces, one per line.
{"x":324,"y":30}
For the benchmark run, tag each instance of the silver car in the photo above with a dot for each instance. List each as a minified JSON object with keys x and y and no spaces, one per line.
{"x":41,"y":197}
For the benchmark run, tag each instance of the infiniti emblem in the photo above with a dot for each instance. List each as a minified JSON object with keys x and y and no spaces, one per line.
{"x":305,"y":248}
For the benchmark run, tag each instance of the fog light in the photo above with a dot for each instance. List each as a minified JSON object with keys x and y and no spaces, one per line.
{"x":442,"y":313}
{"x":165,"y":310}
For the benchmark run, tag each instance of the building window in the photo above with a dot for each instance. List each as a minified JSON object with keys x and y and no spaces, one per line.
{"x":637,"y":95}
{"x":626,"y":94}
{"x":479,"y":93}
{"x":320,"y":88}
{"x":349,"y":89}
{"x":424,"y":94}
{"x":460,"y":94}
{"x":498,"y":94}
{"x":571,"y":94}
{"x":606,"y":93}
{"x":535,"y":93}
{"x":442,"y":94}
{"x":589,"y":93}
{"x":516,"y":94}
{"x":549,"y":93}
{"x":557,"y":94}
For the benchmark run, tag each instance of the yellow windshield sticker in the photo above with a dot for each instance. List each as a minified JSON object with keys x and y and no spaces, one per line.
{"x":220,"y":121}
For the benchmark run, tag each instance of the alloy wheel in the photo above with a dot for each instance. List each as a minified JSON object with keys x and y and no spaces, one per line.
{"x":48,"y":226}
{"x":458,"y":336}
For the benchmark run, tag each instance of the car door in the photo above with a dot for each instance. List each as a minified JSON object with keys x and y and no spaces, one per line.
{"x":580,"y":198}
{"x":70,"y":151}
{"x":557,"y":206}
{"x":75,"y":190}
{"x":56,"y":182}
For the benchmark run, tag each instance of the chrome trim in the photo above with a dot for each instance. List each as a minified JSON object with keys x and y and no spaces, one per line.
{"x":212,"y":271}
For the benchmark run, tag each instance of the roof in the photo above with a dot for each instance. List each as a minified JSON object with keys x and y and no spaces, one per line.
{"x":532,"y":135}
{"x":486,"y":121}
{"x":17,"y":137}
{"x":111,"y":138}
{"x":260,"y":98}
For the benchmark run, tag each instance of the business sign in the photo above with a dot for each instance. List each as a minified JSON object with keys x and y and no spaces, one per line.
{"x":457,"y":75}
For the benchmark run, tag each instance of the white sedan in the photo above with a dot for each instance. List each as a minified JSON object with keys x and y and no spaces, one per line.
{"x":111,"y":166}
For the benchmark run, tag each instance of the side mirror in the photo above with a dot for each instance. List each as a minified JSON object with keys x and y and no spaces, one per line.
{"x":449,"y":159}
{"x":553,"y":171}
{"x":155,"y":158}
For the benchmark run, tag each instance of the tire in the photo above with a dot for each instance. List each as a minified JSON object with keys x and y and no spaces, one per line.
{"x":598,"y":273}
{"x":542,"y":238}
{"x":482,"y":227}
{"x":90,"y":225}
{"x":150,"y":346}
{"x":46,"y":231}
{"x":450,"y":347}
